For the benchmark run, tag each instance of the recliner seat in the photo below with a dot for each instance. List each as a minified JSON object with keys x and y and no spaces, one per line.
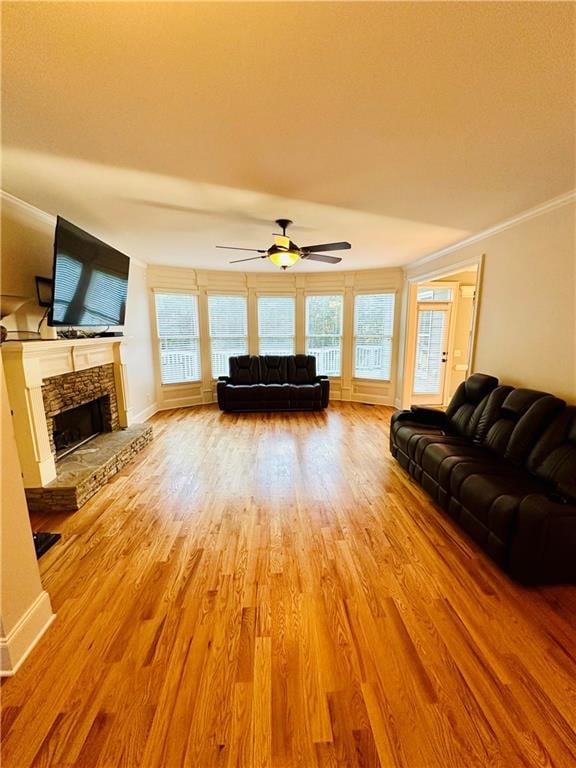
{"x":512,"y":485}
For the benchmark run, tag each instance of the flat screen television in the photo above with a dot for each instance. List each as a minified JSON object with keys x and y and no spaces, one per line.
{"x":90,"y":280}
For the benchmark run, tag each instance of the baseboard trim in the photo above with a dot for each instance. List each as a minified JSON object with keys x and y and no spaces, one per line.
{"x":143,"y":415}
{"x":17,"y":645}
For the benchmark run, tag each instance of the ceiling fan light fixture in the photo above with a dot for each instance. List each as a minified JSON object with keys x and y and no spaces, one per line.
{"x":284,"y":259}
{"x":282,"y":241}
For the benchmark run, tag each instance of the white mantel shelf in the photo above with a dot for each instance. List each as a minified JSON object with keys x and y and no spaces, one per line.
{"x":26,"y":365}
{"x":63,"y":355}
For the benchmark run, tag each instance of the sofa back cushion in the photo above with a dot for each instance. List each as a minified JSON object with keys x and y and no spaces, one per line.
{"x":301,"y":369}
{"x":244,"y":369}
{"x":553,"y":458}
{"x":468,"y":403}
{"x":524,"y":414}
{"x":273,"y":369}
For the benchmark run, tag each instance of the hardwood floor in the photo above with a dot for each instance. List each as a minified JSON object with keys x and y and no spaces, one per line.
{"x":273,"y":590}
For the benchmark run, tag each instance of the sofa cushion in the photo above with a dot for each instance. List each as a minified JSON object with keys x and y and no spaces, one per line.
{"x":244,"y":369}
{"x":301,"y":369}
{"x":493,"y":497}
{"x":524,"y":414}
{"x":273,"y":369}
{"x":305,"y":393}
{"x":553,"y":458}
{"x":467,"y":404}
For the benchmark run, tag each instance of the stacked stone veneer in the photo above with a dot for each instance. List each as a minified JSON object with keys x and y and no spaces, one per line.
{"x":73,"y":488}
{"x":60,"y":393}
{"x":80,"y":474}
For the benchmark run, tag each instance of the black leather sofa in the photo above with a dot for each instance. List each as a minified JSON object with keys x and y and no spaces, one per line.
{"x":502,"y":463}
{"x":273,"y":383}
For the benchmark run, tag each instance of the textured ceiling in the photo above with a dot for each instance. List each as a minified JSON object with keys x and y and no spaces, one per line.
{"x":168,"y":128}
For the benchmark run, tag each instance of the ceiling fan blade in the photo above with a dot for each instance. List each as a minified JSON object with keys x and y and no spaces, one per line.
{"x":235,"y":248}
{"x":321,"y":257}
{"x":250,"y":258}
{"x":343,"y":246}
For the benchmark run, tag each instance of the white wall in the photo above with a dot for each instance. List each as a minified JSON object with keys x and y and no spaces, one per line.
{"x":27,"y":250}
{"x":25,"y":607}
{"x":526,"y":332}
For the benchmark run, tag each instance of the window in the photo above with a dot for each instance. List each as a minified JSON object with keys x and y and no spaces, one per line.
{"x":432,"y":293}
{"x":178,"y":335}
{"x":373,"y":325}
{"x":276,"y":325}
{"x":228,"y":330}
{"x":324,"y":333}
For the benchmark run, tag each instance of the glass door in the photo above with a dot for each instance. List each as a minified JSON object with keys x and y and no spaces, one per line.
{"x":431,"y":353}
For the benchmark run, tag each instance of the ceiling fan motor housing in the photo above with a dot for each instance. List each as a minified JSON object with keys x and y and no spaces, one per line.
{"x":284,"y":223}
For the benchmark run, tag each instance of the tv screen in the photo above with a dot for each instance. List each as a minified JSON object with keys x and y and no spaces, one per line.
{"x":90,"y":279}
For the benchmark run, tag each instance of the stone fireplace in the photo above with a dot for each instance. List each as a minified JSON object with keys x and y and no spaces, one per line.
{"x":72,"y":401}
{"x":63,"y":393}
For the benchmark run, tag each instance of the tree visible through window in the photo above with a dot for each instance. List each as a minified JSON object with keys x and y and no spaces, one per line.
{"x":324,"y":333}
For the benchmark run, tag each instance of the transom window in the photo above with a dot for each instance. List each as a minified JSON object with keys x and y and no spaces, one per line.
{"x":434,"y":293}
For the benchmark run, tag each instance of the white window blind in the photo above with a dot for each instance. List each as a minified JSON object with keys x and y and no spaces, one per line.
{"x":228,"y":324}
{"x":324,"y":333}
{"x":373,"y":328}
{"x":276,"y":325}
{"x":178,"y":336}
{"x":430,"y":293}
{"x":429,"y":347}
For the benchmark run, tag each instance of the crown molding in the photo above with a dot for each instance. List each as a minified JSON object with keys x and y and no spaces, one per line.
{"x":38,"y":213}
{"x":531,"y":213}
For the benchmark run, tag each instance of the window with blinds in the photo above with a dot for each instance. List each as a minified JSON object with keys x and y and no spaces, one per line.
{"x":276,"y":325}
{"x":178,"y":337}
{"x":228,"y":324}
{"x":324,"y":333}
{"x":373,"y":329}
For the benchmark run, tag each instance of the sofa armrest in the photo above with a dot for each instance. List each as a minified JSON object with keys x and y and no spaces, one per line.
{"x":324,"y":382}
{"x":424,"y":416}
{"x":543,"y":548}
{"x":221,"y":386}
{"x":428,"y":415}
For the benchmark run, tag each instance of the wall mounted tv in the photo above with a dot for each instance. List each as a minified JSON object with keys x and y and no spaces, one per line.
{"x":90,"y":280}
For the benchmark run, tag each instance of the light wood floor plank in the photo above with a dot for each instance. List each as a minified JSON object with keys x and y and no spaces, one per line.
{"x":274,"y":591}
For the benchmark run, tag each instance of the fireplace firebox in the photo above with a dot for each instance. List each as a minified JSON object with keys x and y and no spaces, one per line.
{"x":76,"y":426}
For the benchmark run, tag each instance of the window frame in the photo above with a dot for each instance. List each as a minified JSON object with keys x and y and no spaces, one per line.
{"x":209,"y":337}
{"x":158,"y":347}
{"x":311,"y":293}
{"x":382,"y":292}
{"x":276,"y":295}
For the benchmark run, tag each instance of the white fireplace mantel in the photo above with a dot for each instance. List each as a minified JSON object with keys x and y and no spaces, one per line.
{"x":26,"y":365}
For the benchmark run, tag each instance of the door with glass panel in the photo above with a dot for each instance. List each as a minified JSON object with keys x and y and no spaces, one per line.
{"x":432,"y":328}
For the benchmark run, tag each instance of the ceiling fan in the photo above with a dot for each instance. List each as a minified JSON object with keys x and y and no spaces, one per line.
{"x":284,"y":253}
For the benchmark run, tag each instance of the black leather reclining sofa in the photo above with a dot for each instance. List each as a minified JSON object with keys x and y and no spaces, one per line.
{"x":273,"y":383}
{"x":502,"y":463}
